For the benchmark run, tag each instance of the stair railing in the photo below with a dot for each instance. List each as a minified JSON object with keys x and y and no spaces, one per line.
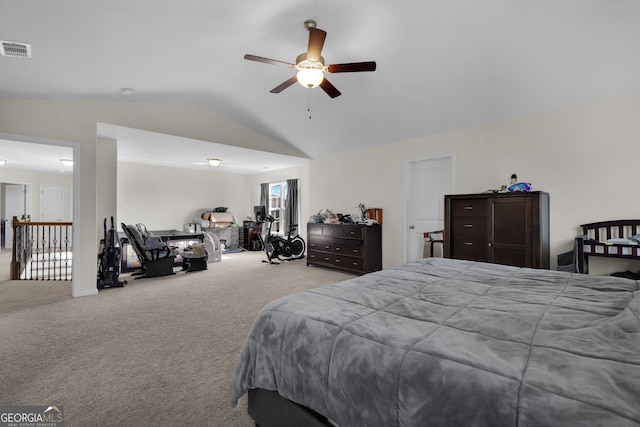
{"x":41,"y":250}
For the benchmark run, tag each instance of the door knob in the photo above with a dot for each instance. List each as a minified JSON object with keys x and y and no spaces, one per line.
{"x":412,"y":227}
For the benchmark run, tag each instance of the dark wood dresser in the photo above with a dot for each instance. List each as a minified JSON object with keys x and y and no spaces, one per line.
{"x":355,"y":248}
{"x":509,"y":228}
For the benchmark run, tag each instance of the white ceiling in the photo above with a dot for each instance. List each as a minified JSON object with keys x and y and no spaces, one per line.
{"x":442,"y":64}
{"x":138,"y":146}
{"x":35,"y":157}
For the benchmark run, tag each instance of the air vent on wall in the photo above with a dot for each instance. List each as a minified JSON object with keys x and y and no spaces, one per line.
{"x":18,"y":50}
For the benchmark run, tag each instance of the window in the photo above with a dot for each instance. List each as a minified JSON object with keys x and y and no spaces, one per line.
{"x":277,"y":205}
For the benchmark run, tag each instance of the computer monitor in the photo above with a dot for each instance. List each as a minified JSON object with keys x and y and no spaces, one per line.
{"x":260,"y":213}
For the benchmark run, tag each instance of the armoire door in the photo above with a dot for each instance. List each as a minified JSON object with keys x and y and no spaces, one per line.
{"x":510,"y":231}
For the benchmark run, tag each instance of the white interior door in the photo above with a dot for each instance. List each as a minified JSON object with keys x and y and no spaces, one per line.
{"x":17,"y":203}
{"x":426,"y":183}
{"x":51,"y":202}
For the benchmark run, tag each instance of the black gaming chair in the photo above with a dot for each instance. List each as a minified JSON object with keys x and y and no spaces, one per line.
{"x":155,"y":256}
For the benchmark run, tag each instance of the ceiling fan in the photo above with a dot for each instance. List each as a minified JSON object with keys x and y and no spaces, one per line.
{"x":310,"y":65}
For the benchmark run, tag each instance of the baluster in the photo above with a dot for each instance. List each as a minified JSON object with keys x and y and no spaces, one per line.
{"x":56,"y":253}
{"x":60,"y":253}
{"x":15,"y":266}
{"x":42,"y":242}
{"x":67,"y":252}
{"x":49,"y":253}
{"x":39,"y":236}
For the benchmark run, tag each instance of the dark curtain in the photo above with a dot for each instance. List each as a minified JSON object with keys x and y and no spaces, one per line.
{"x":291,"y":209}
{"x":264,"y":195}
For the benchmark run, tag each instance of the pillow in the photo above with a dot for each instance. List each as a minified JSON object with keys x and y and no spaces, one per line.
{"x":206,"y":215}
{"x":220,"y":209}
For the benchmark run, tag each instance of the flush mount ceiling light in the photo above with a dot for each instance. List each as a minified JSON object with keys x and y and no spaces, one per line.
{"x":126,"y":91}
{"x":66,"y":162}
{"x":213,"y":161}
{"x":2,"y":162}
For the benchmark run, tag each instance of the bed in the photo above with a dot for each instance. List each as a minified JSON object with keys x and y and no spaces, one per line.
{"x":614,"y":239}
{"x":444,"y":342}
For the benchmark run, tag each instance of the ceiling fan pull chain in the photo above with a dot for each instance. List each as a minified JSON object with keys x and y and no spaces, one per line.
{"x":309,"y":103}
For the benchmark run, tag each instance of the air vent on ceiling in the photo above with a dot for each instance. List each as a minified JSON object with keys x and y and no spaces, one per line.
{"x":18,"y":50}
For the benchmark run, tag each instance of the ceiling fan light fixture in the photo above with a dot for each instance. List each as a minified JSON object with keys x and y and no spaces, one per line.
{"x":310,"y":77}
{"x":214,"y":162}
{"x":310,"y":64}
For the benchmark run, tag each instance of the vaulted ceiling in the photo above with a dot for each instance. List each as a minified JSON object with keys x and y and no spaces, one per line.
{"x":441,"y":64}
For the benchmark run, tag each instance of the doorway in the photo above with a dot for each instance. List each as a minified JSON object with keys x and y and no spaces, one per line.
{"x":17,"y":202}
{"x":426,"y":182}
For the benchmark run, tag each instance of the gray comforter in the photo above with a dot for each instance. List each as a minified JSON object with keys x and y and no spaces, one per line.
{"x":444,"y":342}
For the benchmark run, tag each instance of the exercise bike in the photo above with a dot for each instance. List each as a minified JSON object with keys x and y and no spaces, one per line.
{"x":276,"y":246}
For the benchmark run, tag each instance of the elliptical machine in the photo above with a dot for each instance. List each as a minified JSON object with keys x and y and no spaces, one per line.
{"x":109,"y":259}
{"x":276,"y":247}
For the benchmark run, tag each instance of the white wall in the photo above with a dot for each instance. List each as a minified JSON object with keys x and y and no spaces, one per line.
{"x":106,"y":169}
{"x":585,"y":157}
{"x":167,"y":198}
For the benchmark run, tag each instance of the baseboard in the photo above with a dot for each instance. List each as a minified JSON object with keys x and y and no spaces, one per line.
{"x":86,"y":293}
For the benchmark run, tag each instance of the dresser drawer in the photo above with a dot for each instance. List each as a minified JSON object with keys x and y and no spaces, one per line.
{"x":320,"y":245}
{"x":322,"y":257}
{"x":469,"y":224}
{"x":469,"y":207}
{"x":355,"y":232}
{"x":470,"y":247}
{"x":349,"y":262}
{"x":350,"y":249}
{"x":336,"y":231}
{"x":314,"y":229}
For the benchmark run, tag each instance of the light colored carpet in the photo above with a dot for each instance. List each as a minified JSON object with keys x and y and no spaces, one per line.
{"x":157,"y":352}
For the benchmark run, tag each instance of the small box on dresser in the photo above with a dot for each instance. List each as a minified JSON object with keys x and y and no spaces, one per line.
{"x":355,"y":248}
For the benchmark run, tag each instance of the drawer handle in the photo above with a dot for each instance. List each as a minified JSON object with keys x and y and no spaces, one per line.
{"x":327,"y":259}
{"x":468,"y":226}
{"x":338,"y":261}
{"x":468,"y":208}
{"x":468,"y":243}
{"x":355,"y":263}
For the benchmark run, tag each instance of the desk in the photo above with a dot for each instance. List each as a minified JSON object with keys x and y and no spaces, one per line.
{"x":180,"y":239}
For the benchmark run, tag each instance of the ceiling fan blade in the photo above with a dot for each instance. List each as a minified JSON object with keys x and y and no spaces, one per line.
{"x":284,"y":85}
{"x":329,"y":88}
{"x":267,"y":60}
{"x":352,"y":67}
{"x":316,"y":41}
